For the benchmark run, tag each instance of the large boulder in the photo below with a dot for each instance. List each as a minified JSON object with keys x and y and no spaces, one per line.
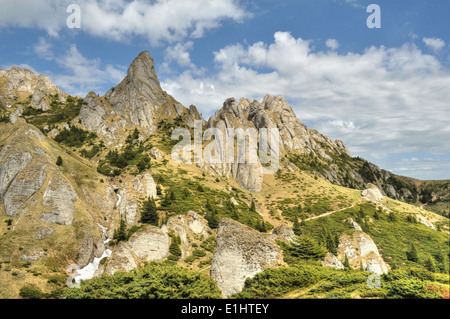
{"x":372,"y":193}
{"x":361,"y":250}
{"x":241,"y":252}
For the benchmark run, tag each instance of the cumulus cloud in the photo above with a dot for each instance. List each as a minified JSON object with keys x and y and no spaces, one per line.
{"x":333,"y":44}
{"x":435,"y":44}
{"x":158,"y":21}
{"x":79,"y":74}
{"x":380,"y":102}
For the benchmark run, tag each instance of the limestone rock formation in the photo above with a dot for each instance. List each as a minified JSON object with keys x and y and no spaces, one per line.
{"x":283,"y":232}
{"x":155,"y":153}
{"x":241,"y":252}
{"x":189,"y":227}
{"x":141,"y":186}
{"x":372,"y":193}
{"x":360,"y":249}
{"x":271,"y":113}
{"x":331,"y":260}
{"x":60,"y":196}
{"x":19,"y":80}
{"x":149,"y":244}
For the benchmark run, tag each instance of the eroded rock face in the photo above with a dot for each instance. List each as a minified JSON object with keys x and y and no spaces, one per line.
{"x":372,"y":193}
{"x":92,"y":112}
{"x":271,"y":113}
{"x":23,"y":187}
{"x":241,"y":252}
{"x":60,"y":196}
{"x":141,"y":186}
{"x":283,"y":232}
{"x":24,"y":80}
{"x":139,"y":96}
{"x":331,"y":260}
{"x":360,"y":249}
{"x":148,"y":244}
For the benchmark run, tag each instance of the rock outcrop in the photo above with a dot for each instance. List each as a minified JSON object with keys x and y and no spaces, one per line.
{"x":19,"y":80}
{"x":331,"y":260}
{"x":137,"y":101}
{"x":60,"y":197}
{"x":361,"y":251}
{"x":241,"y":252}
{"x":152,"y":243}
{"x":372,"y":193}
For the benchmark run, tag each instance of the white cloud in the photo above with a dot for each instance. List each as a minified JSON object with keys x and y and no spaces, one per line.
{"x":435,"y":44}
{"x":180,"y":54}
{"x":44,"y":49}
{"x":81,"y":74}
{"x":379,"y":102}
{"x":158,"y":21}
{"x":333,"y":44}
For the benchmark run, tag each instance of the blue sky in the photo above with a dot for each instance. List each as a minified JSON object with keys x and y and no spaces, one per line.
{"x":385,"y":92}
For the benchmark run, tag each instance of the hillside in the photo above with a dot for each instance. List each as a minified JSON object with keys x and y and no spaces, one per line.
{"x":93,"y":182}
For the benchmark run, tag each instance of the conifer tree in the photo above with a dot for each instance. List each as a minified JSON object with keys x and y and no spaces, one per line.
{"x":253,"y":206}
{"x":412,"y":254}
{"x":149,"y":213}
{"x":120,"y":234}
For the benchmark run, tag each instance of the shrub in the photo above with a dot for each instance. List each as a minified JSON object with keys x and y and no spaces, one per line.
{"x":154,"y":281}
{"x":28,"y":292}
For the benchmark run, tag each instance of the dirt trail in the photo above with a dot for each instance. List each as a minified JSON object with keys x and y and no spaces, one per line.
{"x":329,"y":213}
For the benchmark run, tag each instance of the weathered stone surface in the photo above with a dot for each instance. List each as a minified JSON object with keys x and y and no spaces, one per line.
{"x":92,"y":112}
{"x":14,"y":116}
{"x":283,"y":232}
{"x":360,"y":249}
{"x":35,"y":255}
{"x":60,"y":196}
{"x":10,"y":167}
{"x":155,"y":153}
{"x":354,"y":224}
{"x":38,"y":102}
{"x":145,"y":185}
{"x":128,"y":206}
{"x":372,"y":193}
{"x":85,"y":252}
{"x":24,"y":80}
{"x":424,"y":221}
{"x":150,"y":244}
{"x":26,"y":184}
{"x":139,"y":96}
{"x":121,"y":259}
{"x":331,"y":260}
{"x":241,"y":252}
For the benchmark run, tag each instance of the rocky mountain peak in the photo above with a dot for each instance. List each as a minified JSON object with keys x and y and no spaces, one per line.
{"x":19,"y":81}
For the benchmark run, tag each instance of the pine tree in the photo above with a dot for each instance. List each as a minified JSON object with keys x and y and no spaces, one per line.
{"x":375,"y":215}
{"x":121,"y":233}
{"x":253,"y":206}
{"x":296,"y":227}
{"x":208,"y":205}
{"x":430,"y":264}
{"x":392,"y":217}
{"x":412,"y":254}
{"x":213,"y":220}
{"x":149,"y":213}
{"x":158,"y":190}
{"x":346,"y":263}
{"x":59,"y":161}
{"x":306,"y":248}
{"x":174,"y":248}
